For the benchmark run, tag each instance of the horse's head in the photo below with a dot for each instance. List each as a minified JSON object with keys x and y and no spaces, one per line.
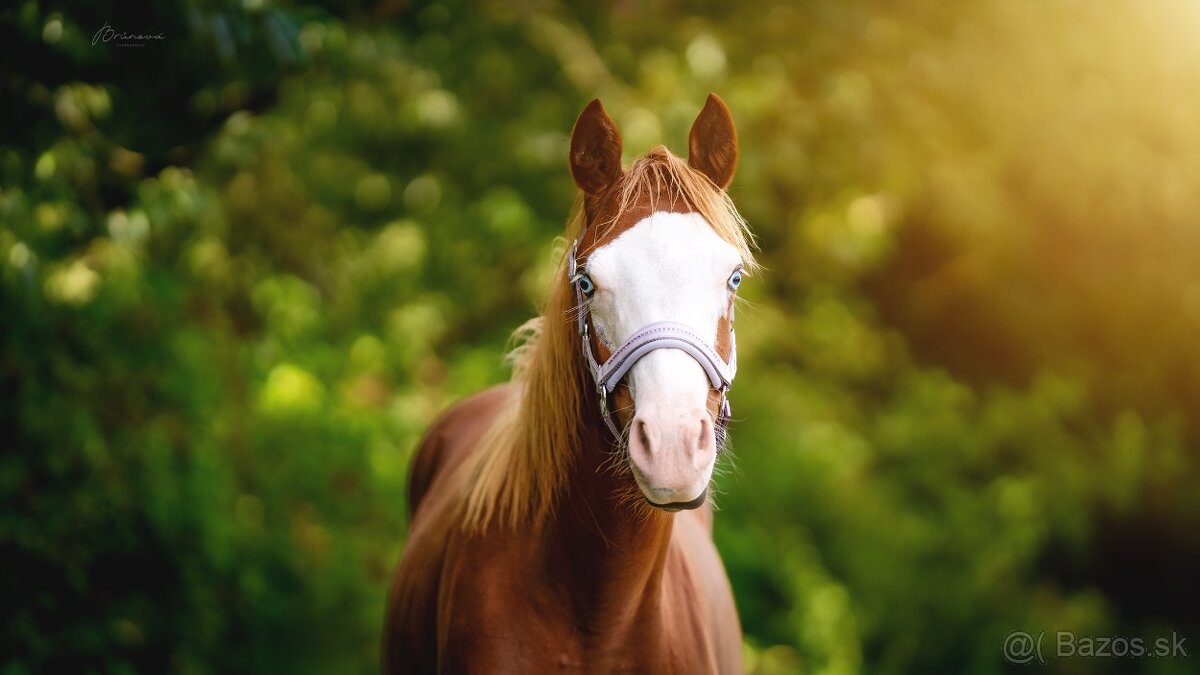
{"x":657,"y":269}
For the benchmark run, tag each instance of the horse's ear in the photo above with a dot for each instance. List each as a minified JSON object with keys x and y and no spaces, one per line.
{"x":712,"y":145}
{"x":595,"y":150}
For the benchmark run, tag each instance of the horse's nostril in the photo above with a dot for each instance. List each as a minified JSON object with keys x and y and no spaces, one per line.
{"x":643,"y":434}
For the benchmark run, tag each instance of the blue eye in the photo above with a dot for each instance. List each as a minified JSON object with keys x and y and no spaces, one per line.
{"x":735,"y":280}
{"x":586,"y":286}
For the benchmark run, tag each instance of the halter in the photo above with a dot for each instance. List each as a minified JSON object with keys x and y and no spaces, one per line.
{"x":658,"y":335}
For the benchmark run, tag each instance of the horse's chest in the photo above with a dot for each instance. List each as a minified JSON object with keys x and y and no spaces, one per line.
{"x":663,"y":631}
{"x":549,"y":627}
{"x":672,"y":642}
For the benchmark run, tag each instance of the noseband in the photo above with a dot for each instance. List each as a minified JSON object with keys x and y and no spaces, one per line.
{"x":658,"y":335}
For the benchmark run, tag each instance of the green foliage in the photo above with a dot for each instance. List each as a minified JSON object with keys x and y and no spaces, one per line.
{"x":243,"y":269}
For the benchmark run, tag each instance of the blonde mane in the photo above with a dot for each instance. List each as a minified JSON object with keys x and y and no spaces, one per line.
{"x":515,"y":476}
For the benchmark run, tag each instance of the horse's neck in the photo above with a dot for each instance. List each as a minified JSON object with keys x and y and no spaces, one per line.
{"x":612,"y":546}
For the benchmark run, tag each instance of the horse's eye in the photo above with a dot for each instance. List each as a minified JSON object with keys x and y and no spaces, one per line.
{"x":735,"y":280}
{"x":586,"y":286}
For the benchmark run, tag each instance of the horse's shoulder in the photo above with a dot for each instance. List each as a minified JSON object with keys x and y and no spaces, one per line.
{"x":451,"y":438}
{"x":410,"y":641}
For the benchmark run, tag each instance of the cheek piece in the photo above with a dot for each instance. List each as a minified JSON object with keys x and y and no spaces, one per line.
{"x":657,"y":335}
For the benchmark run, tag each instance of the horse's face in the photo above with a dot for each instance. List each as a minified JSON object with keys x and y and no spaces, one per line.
{"x":667,"y":267}
{"x":653,"y":266}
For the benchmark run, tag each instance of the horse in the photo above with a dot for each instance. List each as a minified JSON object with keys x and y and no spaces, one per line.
{"x":562,"y":521}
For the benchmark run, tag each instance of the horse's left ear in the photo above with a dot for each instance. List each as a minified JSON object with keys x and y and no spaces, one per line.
{"x":712,"y":144}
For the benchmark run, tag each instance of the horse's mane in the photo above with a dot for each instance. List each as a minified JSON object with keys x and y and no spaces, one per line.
{"x":515,"y":475}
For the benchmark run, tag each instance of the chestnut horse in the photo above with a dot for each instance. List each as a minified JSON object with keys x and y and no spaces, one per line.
{"x":561,"y":521}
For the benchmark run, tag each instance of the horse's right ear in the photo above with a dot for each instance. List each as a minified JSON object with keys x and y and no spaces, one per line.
{"x":595,"y":150}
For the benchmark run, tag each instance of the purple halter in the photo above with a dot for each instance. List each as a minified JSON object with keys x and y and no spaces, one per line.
{"x":658,"y":335}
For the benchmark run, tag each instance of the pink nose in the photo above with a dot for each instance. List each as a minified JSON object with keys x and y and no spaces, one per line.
{"x":673,"y":455}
